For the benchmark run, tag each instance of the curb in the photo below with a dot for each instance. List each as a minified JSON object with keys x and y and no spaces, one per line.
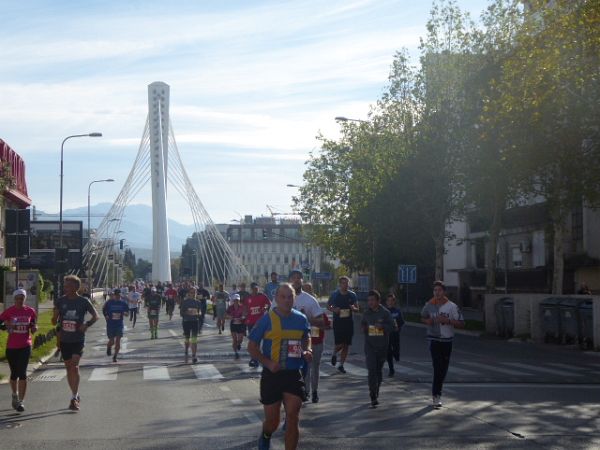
{"x":463,"y":332}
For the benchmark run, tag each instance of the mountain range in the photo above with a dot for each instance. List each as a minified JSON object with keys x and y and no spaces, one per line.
{"x":136,"y":226}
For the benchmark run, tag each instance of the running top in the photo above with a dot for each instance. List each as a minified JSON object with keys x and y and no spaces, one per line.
{"x":22,"y":319}
{"x":317,"y":335}
{"x":221,"y":298}
{"x":134,"y":299}
{"x":114,"y":310}
{"x":72,"y":314}
{"x":236,"y":314}
{"x":255,"y":307}
{"x":342,"y":301}
{"x":171,"y":293}
{"x":433,"y":309}
{"x":281,"y":337}
{"x":153,"y":303}
{"x":270,"y":289}
{"x":190,"y":309}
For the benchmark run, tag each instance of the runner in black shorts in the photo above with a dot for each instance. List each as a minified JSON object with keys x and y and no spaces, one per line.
{"x":190,"y":311}
{"x":343,"y":303}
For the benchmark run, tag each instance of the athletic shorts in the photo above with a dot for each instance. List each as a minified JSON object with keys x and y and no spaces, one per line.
{"x":153,"y":315}
{"x":238,"y":328}
{"x":190,"y":328}
{"x":220,"y":313}
{"x":343,"y":331}
{"x":68,"y":349}
{"x":273,"y":385}
{"x":113,"y":331}
{"x":18,"y":358}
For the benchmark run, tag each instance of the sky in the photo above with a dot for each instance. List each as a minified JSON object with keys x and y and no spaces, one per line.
{"x":252,"y":85}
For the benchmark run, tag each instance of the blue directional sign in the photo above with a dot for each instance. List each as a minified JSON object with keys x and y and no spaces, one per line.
{"x":407,"y":274}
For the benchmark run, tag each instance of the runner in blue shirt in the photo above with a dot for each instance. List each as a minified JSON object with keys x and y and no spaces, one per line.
{"x":114,"y":310}
{"x":284,"y":335}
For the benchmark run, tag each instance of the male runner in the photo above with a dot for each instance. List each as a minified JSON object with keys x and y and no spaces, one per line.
{"x":284,"y":334}
{"x":317,"y":337}
{"x":343,"y":303}
{"x":153,"y":302}
{"x":377,"y":324}
{"x":220,"y":299}
{"x":190,"y":314}
{"x":170,"y":296}
{"x":20,"y":323}
{"x":441,"y":317}
{"x":202,"y":295}
{"x":272,"y":286}
{"x":394,"y":347}
{"x":243,"y":293}
{"x":113,"y":311}
{"x":134,"y":299}
{"x":255,"y":306}
{"x":71,"y":309}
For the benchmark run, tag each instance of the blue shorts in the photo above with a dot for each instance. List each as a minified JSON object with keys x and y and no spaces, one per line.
{"x":113,"y":331}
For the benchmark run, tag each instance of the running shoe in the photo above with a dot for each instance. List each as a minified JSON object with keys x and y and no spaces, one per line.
{"x":108,"y":350}
{"x":341,"y":369}
{"x":263,"y":442}
{"x":15,"y":401}
{"x":437,"y":401}
{"x":20,"y":406}
{"x":374,"y":403}
{"x":315,"y":397}
{"x":194,"y":360}
{"x":253,"y":363}
{"x":115,"y":358}
{"x":392,"y":372}
{"x":237,"y":355}
{"x":74,"y":405}
{"x":333,"y":360}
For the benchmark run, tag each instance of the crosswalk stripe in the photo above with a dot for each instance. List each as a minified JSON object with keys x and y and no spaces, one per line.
{"x":323,"y":374}
{"x":156,"y":373}
{"x":562,"y":373}
{"x":404,"y":370}
{"x":104,"y":374}
{"x":495,"y":369}
{"x":207,"y":372}
{"x":51,"y":375}
{"x":355,"y":370}
{"x":569,"y":367}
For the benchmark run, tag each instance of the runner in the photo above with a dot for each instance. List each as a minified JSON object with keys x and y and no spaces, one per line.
{"x":342,"y":302}
{"x":113,"y":311}
{"x":20,"y":323}
{"x":244,"y":294}
{"x":284,"y":334}
{"x":307,"y":305}
{"x":220,"y":299}
{"x":441,"y":317}
{"x":317,"y":337}
{"x":71,"y":309}
{"x":134,"y":299}
{"x":237,"y":314}
{"x":153,"y":302}
{"x":170,"y":296}
{"x":255,"y":306}
{"x":377,"y":324}
{"x":272,"y":286}
{"x":394,"y":347}
{"x":202,"y":295}
{"x":190,"y":314}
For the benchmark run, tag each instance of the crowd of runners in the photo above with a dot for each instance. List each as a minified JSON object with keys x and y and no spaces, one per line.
{"x":284,"y":323}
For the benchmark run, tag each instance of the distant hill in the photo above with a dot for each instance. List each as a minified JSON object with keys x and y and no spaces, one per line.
{"x":136,"y":226}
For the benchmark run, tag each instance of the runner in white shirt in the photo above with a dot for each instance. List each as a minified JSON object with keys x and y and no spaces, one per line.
{"x":133,"y":300}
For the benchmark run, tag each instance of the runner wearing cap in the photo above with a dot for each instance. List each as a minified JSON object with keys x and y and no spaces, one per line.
{"x":237,"y":313}
{"x":113,"y":311}
{"x":20,"y":322}
{"x":153,"y":302}
{"x":255,"y":306}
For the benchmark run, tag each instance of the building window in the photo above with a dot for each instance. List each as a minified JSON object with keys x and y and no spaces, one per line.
{"x":517,"y":257}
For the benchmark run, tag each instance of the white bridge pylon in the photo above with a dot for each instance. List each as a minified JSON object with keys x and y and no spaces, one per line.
{"x":159,"y":165}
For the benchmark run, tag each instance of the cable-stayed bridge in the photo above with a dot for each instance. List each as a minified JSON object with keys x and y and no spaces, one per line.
{"x":158,"y":165}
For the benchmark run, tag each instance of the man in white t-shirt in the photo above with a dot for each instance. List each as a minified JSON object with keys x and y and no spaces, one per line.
{"x":441,"y":317}
{"x":309,"y":306}
{"x":134,"y":298}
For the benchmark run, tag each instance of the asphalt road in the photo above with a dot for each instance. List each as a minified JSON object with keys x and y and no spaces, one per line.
{"x":498,"y":395}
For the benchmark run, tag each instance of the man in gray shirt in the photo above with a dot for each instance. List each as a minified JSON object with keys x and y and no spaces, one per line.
{"x":377,"y":324}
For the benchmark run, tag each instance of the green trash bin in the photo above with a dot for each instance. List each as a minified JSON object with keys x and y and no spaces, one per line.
{"x":569,"y":320}
{"x":551,"y":326}
{"x":586,"y":324}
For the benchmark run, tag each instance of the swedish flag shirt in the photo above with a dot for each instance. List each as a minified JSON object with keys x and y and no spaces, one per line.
{"x":281,"y":337}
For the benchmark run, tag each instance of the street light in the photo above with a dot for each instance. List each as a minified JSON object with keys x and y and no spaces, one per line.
{"x":108,"y":180}
{"x":62,"y":148}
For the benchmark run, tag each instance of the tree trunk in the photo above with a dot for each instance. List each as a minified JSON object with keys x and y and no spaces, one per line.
{"x":490,"y":256}
{"x":439,"y":256}
{"x":558,"y":224}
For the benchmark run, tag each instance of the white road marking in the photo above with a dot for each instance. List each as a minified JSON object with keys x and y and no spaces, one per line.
{"x":575,"y":386}
{"x":104,"y":374}
{"x":224,"y":388}
{"x":252,"y":417}
{"x":236,"y":401}
{"x":51,"y":375}
{"x":355,"y":370}
{"x":405,"y":370}
{"x":206,"y":372}
{"x":247,"y":369}
{"x":323,"y":374}
{"x":562,"y":373}
{"x":156,"y":373}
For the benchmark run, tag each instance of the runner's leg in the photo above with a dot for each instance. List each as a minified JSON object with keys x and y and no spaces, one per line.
{"x":292,"y":405}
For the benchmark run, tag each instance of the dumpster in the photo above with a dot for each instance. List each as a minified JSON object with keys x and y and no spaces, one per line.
{"x":505,"y":316}
{"x":551,"y":327}
{"x":586,"y":326}
{"x":500,"y":327}
{"x":569,"y":320}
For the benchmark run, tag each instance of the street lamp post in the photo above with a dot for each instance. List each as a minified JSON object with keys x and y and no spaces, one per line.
{"x":90,"y":274}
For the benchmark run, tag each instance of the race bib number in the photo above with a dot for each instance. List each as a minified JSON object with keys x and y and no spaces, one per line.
{"x":344,"y":313}
{"x":21,"y":328}
{"x":294,"y":349}
{"x":70,"y":326}
{"x":315,"y":332}
{"x":374,"y":331}
{"x":255,"y":310}
{"x":116,"y":316}
{"x":192,"y":311}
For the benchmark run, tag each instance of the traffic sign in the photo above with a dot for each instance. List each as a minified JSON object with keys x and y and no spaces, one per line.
{"x":407,"y":274}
